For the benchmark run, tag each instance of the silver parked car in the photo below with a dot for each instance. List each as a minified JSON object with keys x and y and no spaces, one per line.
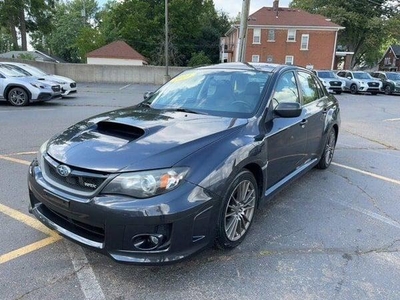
{"x":20,"y":90}
{"x":68,"y":85}
{"x":331,"y":81}
{"x":360,"y":82}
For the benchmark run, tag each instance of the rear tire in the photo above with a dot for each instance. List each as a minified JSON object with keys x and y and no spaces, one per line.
{"x":18,"y":97}
{"x":237,"y":211}
{"x":329,"y":149}
{"x":388,"y":90}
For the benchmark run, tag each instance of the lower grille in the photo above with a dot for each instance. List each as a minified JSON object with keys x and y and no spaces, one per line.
{"x":56,"y":88}
{"x":85,"y":230}
{"x":335,"y":83}
{"x":373,"y":84}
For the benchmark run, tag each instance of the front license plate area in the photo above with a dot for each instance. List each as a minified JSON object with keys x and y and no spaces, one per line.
{"x":56,"y":200}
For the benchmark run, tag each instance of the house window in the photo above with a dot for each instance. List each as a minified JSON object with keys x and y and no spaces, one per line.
{"x":271,"y":35}
{"x":289,"y":59}
{"x":255,"y":58}
{"x":256,"y":36}
{"x":304,"y":41}
{"x":387,"y":61}
{"x":291,"y":35}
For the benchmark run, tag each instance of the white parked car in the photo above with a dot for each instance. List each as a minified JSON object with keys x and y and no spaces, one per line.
{"x":20,"y":90}
{"x":331,"y":81}
{"x":360,"y":82}
{"x":68,"y":86}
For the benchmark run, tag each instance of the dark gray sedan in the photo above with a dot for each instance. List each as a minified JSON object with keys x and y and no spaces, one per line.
{"x":188,"y":167}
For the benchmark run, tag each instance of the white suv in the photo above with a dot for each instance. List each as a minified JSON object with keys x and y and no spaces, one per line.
{"x":360,"y":82}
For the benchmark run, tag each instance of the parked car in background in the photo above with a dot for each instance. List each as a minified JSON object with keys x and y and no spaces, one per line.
{"x":20,"y":90}
{"x":360,"y":82}
{"x":186,"y":168}
{"x":331,"y":81}
{"x":68,"y":86}
{"x":390,"y":81}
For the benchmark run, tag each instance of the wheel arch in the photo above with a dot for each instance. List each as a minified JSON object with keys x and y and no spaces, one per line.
{"x":11,"y":86}
{"x":257,"y":172}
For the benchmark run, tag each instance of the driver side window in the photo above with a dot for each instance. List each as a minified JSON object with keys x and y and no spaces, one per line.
{"x":286,"y":89}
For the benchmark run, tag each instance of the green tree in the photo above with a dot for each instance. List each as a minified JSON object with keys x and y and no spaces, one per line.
{"x":365,"y":24}
{"x":199,"y":59}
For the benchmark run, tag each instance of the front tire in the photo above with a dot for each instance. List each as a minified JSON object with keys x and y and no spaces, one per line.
{"x":237,"y":211}
{"x":353,"y":89}
{"x":329,"y":149}
{"x":18,"y":97}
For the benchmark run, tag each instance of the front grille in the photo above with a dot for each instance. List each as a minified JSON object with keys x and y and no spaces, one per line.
{"x":335,"y":83}
{"x":56,"y":88}
{"x":78,"y":181}
{"x":73,"y":84}
{"x":373,"y":84}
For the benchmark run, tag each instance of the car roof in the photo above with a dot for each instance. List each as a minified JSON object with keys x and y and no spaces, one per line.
{"x":266,"y":67}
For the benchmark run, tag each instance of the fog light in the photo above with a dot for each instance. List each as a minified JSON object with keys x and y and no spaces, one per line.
{"x":146,"y":242}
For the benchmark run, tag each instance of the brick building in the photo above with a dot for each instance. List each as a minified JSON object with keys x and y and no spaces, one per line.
{"x":285,"y":36}
{"x":391,"y":59}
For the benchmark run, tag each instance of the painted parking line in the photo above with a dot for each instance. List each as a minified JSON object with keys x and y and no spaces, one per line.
{"x":16,"y":160}
{"x":368,"y":173}
{"x":33,"y":223}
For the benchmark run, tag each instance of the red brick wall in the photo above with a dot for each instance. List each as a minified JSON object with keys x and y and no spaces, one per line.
{"x":319,"y":54}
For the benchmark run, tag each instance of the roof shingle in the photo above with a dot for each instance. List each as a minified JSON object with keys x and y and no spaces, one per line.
{"x":289,"y":17}
{"x":117,"y":49}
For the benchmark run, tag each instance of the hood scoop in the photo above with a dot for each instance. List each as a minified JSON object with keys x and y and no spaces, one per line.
{"x":119,"y":130}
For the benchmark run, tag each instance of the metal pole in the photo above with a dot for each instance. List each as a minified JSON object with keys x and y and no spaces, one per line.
{"x":166,"y":77}
{"x":243,"y":30}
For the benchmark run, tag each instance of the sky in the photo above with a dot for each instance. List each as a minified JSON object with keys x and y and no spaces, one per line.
{"x":233,"y":7}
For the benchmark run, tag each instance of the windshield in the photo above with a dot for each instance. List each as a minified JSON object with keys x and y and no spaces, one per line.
{"x":231,"y":93}
{"x":361,"y":75}
{"x":393,"y":76}
{"x":33,"y":70}
{"x":326,"y":74}
{"x":9,"y":72}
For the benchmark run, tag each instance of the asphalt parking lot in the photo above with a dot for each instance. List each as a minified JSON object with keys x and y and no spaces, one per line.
{"x":333,"y":234}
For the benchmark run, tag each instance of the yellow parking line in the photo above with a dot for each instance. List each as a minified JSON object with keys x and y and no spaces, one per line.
{"x":16,"y":160}
{"x":27,"y":220}
{"x":30,"y":248}
{"x":23,"y":153}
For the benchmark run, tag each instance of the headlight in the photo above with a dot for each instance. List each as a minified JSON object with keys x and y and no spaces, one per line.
{"x":41,"y":153}
{"x":147,"y":183}
{"x":38,"y":85}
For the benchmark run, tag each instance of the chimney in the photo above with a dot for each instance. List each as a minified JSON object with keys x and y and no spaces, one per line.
{"x":276,"y":7}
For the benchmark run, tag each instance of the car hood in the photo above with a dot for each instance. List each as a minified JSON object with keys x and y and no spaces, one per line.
{"x":138,"y":138}
{"x":57,"y":78}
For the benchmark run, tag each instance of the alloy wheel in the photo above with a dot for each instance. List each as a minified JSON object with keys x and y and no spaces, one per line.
{"x":240,"y":210}
{"x":330,"y":148}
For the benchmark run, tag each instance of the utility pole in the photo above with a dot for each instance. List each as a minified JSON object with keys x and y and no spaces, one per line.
{"x":243,"y":30}
{"x":166,"y":76}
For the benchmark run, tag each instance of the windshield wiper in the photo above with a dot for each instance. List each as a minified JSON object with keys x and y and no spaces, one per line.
{"x":181,"y":109}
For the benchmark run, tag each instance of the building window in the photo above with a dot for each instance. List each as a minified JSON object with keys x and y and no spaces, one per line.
{"x":256,"y":36}
{"x":304,"y":41}
{"x":255,"y":58}
{"x":387,"y":61}
{"x":291,"y":35}
{"x":289,"y":59}
{"x":271,"y":35}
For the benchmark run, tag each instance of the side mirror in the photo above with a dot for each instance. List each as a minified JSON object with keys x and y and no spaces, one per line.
{"x":348,"y":77}
{"x":147,"y":95}
{"x":288,"y":109}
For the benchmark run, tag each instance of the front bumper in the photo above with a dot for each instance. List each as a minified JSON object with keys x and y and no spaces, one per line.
{"x":159,"y":230}
{"x":68,"y":88}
